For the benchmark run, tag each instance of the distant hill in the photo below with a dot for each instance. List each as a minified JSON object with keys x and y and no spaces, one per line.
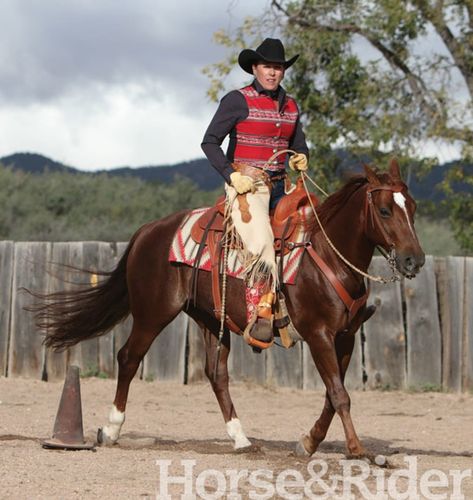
{"x":204,"y":176}
{"x":199,"y":171}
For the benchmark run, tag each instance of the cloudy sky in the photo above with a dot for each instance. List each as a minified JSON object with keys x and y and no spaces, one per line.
{"x":106,"y":83}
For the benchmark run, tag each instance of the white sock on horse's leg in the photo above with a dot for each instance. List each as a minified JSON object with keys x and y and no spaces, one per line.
{"x":111,"y":431}
{"x":235,"y":431}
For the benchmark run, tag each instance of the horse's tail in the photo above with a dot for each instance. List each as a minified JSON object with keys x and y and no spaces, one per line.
{"x":69,"y":317}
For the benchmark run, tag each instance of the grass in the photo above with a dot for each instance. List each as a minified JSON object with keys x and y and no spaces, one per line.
{"x":93,"y":371}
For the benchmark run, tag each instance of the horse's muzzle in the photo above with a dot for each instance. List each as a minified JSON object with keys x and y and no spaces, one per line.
{"x":409,"y":264}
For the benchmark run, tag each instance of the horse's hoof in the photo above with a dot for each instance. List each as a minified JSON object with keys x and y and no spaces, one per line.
{"x":242,"y":443}
{"x":301,"y":450}
{"x":103,"y":439}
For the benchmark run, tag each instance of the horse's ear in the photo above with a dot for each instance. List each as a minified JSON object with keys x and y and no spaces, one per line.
{"x":394,"y":169}
{"x":371,"y":175}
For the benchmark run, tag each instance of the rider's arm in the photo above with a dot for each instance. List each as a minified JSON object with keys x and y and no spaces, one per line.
{"x":232,"y":109}
{"x":298,"y":142}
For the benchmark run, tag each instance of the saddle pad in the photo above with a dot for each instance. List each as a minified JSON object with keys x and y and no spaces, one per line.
{"x":184,"y":250}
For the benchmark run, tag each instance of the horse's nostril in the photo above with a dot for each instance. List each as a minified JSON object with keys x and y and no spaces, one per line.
{"x":409,"y":263}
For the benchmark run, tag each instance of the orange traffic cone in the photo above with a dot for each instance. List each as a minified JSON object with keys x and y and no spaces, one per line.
{"x":68,"y":433}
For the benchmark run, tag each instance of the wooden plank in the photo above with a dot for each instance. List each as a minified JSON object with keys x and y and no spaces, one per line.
{"x":88,"y":350}
{"x":468,"y":326}
{"x":62,"y":278}
{"x":311,"y":379}
{"x":6,"y":274}
{"x":165,"y":360}
{"x":26,"y":354}
{"x":106,"y":355}
{"x":451,"y":294}
{"x":424,"y":343}
{"x":195,"y":353}
{"x":244,"y":365}
{"x":284,"y":366}
{"x":385,"y":345}
{"x":121,"y":332}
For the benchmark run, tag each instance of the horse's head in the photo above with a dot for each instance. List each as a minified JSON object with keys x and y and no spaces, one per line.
{"x":389,"y":219}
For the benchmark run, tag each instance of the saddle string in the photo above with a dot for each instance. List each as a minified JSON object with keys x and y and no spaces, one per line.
{"x":223,"y":293}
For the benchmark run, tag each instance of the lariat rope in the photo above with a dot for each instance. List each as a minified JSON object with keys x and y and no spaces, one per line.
{"x":391,"y":261}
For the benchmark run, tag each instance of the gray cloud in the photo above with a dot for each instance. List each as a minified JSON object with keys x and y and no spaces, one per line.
{"x":52,"y":48}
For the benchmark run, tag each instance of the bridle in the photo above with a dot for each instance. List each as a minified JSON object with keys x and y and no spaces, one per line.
{"x":369,"y":214}
{"x":372,"y":215}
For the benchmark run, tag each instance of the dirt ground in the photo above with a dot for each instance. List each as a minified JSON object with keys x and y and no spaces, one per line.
{"x":170,"y":422}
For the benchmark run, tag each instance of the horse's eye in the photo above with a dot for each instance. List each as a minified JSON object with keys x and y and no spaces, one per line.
{"x":385,"y":212}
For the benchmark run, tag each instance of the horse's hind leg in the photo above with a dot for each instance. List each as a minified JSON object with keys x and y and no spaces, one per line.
{"x":220,"y":385}
{"x":129,"y":358}
{"x":332,"y":362}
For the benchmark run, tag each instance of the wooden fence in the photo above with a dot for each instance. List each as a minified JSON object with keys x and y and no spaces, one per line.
{"x":421,"y":336}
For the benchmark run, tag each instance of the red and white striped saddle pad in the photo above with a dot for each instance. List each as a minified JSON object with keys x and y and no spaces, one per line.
{"x":184,"y":250}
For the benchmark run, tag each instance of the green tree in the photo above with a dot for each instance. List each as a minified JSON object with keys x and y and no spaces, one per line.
{"x":375,"y":78}
{"x":65,"y":207}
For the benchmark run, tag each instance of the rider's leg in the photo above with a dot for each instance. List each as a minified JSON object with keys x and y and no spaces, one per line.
{"x":258,"y":257}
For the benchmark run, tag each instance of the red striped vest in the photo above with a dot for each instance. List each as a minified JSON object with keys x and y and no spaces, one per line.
{"x":265,"y":131}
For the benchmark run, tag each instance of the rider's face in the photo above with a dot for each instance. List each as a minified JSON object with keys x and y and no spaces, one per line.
{"x":269,"y":75}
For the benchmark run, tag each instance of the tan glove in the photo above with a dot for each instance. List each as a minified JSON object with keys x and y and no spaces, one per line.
{"x":241,"y":183}
{"x":298,"y":162}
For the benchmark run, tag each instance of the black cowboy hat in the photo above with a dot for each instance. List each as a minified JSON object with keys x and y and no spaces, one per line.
{"x":271,"y":51}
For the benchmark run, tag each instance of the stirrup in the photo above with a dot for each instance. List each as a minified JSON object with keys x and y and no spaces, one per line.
{"x":255,"y":343}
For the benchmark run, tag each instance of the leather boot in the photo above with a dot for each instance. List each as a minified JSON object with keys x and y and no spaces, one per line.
{"x":262,"y":328}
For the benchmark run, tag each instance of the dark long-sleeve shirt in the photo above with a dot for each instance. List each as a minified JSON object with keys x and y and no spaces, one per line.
{"x":233,"y":109}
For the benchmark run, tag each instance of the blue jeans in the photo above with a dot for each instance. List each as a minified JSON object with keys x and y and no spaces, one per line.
{"x":277,"y":193}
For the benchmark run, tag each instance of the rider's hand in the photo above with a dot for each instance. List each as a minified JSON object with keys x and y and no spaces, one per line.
{"x":241,"y":183}
{"x":298,"y":162}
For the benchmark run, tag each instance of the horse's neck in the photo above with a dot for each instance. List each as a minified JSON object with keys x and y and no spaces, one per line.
{"x":346,"y":231}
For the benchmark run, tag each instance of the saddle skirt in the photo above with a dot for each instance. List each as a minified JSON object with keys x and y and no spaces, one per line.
{"x":185,"y":245}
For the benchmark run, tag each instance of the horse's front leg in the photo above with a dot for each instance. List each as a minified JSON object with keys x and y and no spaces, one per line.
{"x":332,"y":357}
{"x":219,"y":382}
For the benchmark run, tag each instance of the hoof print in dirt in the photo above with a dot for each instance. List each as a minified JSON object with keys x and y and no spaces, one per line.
{"x":252,"y":448}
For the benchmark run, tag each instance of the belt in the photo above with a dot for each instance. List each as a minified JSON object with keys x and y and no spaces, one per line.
{"x":276,"y":178}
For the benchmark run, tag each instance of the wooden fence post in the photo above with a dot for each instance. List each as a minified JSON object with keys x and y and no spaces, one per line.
{"x":284,"y":366}
{"x":85,"y":354}
{"x":451,"y":296}
{"x":106,"y":356}
{"x":6,"y":274}
{"x":26,"y":356}
{"x":122,"y":331}
{"x":62,"y":278}
{"x":244,"y":365}
{"x":468,"y":326}
{"x":196,"y":353}
{"x":385,"y":337}
{"x":424,"y":349}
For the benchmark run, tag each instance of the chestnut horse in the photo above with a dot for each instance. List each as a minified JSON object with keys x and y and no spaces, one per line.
{"x":369,"y":210}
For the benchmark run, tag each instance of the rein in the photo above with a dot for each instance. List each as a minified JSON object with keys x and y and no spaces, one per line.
{"x":391,"y":257}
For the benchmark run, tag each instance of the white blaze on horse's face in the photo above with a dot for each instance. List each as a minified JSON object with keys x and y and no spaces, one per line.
{"x":400,"y":201}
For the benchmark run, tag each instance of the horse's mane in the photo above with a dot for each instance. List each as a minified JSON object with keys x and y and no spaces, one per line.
{"x":338,"y":199}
